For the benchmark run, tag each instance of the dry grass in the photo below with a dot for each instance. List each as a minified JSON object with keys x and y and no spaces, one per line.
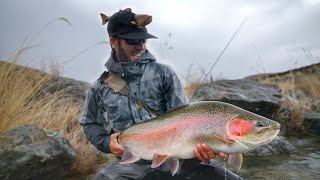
{"x":294,"y":109}
{"x":18,"y":86}
{"x":194,"y":79}
{"x":308,"y":84}
{"x":22,"y":102}
{"x":301,"y":90}
{"x":192,"y":87}
{"x":311,"y":86}
{"x":297,"y":117}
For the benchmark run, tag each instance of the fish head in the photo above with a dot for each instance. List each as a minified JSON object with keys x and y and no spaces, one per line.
{"x":252,"y":130}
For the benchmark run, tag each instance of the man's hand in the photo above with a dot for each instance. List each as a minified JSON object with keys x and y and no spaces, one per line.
{"x":204,"y":153}
{"x":114,"y":145}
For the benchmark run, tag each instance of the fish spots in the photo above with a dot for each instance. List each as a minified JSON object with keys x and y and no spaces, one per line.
{"x":152,"y":136}
{"x":240,"y":127}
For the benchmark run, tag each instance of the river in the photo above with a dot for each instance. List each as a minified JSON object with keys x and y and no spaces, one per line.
{"x":304,"y":164}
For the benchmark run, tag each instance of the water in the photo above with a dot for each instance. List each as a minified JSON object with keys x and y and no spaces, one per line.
{"x":301,"y":165}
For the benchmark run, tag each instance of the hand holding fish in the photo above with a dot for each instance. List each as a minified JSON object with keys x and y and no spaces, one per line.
{"x":114,"y":145}
{"x":204,"y":153}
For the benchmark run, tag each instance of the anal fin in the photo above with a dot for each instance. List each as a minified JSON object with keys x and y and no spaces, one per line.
{"x":235,"y":160}
{"x":158,"y":159}
{"x":128,"y":157}
{"x":173,"y":165}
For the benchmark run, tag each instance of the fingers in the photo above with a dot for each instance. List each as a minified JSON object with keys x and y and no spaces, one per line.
{"x":114,"y":146}
{"x":197,"y":154}
{"x":203,"y":152}
{"x":208,"y":152}
{"x":223,"y":155}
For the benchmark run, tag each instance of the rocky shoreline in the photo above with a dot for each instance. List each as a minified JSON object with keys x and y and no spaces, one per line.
{"x":28,"y":152}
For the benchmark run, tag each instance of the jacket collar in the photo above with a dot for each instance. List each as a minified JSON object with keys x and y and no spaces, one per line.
{"x":129,"y":68}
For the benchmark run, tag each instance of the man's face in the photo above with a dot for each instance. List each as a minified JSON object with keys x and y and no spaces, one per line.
{"x":128,"y":52}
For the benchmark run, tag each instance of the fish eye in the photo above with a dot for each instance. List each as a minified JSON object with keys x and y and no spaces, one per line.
{"x":260,"y":124}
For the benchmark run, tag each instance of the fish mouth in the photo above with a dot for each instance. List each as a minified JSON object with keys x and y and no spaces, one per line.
{"x":276,"y":126}
{"x":275,"y":134}
{"x":273,"y":129}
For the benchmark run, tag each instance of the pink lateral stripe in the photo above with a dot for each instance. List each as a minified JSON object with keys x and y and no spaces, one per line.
{"x":168,"y":129}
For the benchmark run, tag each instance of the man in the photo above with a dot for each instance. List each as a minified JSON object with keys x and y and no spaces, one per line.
{"x":109,"y":110}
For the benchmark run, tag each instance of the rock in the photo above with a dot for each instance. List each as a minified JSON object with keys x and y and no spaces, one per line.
{"x":263,"y":99}
{"x":73,"y":88}
{"x":27,"y":152}
{"x":280,"y":145}
{"x":301,"y":142}
{"x":312,"y":122}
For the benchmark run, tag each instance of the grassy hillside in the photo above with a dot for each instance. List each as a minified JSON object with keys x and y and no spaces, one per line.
{"x":23,"y":101}
{"x":301,"y":91}
{"x":305,"y":79}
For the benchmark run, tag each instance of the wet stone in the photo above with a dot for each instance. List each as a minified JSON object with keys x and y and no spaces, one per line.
{"x":312,"y":122}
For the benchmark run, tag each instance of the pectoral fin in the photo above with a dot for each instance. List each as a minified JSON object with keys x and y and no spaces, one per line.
{"x":172,"y":165}
{"x":225,"y":140}
{"x":128,"y":157}
{"x":158,"y":159}
{"x":235,"y":160}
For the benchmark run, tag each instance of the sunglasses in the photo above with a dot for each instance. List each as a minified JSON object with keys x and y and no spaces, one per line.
{"x":135,"y":41}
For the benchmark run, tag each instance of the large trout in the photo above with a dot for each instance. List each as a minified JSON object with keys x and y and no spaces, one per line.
{"x":175,"y":134}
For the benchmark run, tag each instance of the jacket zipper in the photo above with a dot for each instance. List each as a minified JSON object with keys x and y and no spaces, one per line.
{"x":130,"y":109}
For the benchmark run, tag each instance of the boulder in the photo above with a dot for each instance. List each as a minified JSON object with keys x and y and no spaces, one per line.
{"x":27,"y":152}
{"x":71,"y":87}
{"x":312,"y":122}
{"x":280,"y":145}
{"x":262,"y":99}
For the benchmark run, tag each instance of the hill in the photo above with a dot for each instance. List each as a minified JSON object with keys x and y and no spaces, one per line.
{"x":32,"y":97}
{"x":304,"y":80}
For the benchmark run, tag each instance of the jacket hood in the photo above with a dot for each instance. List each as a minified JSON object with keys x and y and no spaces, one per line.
{"x":129,"y":68}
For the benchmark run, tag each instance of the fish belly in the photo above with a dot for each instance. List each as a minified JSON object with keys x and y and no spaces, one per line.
{"x":173,"y":142}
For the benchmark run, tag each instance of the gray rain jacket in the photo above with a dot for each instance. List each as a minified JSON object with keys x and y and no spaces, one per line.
{"x":106,"y":112}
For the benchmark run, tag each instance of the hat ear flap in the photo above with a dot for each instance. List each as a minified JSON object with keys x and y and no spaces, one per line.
{"x":104,"y":18}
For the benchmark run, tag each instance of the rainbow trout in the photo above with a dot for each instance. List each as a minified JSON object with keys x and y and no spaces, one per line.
{"x":175,"y":134}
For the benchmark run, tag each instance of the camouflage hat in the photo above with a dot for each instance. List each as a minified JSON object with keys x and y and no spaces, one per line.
{"x":127,"y":25}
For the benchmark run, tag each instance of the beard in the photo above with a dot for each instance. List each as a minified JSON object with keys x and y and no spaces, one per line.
{"x":123,"y":56}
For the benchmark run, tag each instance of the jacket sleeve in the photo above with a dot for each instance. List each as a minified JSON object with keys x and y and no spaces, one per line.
{"x":93,"y":123}
{"x":173,"y":91}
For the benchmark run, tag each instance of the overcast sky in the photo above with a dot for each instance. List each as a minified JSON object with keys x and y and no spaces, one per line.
{"x":278,"y":34}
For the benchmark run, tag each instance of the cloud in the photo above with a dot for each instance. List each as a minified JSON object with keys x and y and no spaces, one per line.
{"x":274,"y":34}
